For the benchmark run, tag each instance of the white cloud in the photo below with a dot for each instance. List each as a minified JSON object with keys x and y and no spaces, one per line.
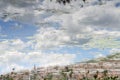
{"x":11,"y":59}
{"x":102,"y":43}
{"x":15,"y":44}
{"x":9,"y":68}
{"x":50,"y":59}
{"x":115,"y":50}
{"x":11,"y":56}
{"x":18,"y":3}
{"x":81,"y":30}
{"x":99,"y":24}
{"x":99,"y":55}
{"x":15,"y":59}
{"x":48,"y":38}
{"x":106,"y":33}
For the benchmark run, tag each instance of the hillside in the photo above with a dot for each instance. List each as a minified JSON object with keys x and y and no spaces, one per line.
{"x":115,"y":56}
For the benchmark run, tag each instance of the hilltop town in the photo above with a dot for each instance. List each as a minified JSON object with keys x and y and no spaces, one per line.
{"x":77,"y":71}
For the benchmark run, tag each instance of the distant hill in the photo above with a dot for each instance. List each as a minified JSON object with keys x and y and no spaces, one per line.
{"x":115,"y":56}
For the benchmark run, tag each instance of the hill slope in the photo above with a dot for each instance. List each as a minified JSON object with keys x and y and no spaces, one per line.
{"x":115,"y":56}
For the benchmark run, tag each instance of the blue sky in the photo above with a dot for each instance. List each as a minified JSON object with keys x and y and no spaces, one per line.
{"x":15,"y":29}
{"x":31,"y":35}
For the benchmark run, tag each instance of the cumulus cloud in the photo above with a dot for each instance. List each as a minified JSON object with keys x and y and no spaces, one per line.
{"x":14,"y":44}
{"x":93,"y":25}
{"x":99,"y":55}
{"x":78,"y":27}
{"x":50,"y":59}
{"x":48,"y":38}
{"x":11,"y":56}
{"x":9,"y":68}
{"x":99,"y":24}
{"x":102,"y":43}
{"x":115,"y":50}
{"x":18,"y":3}
{"x":14,"y":59}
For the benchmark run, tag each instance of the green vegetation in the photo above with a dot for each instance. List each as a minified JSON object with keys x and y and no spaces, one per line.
{"x":7,"y":77}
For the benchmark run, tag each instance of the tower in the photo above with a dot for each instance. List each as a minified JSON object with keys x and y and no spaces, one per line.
{"x":35,"y":67}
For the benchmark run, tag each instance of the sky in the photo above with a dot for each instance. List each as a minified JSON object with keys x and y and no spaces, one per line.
{"x":43,"y":33}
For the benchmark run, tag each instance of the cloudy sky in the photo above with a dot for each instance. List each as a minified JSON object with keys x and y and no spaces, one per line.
{"x":43,"y":33}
